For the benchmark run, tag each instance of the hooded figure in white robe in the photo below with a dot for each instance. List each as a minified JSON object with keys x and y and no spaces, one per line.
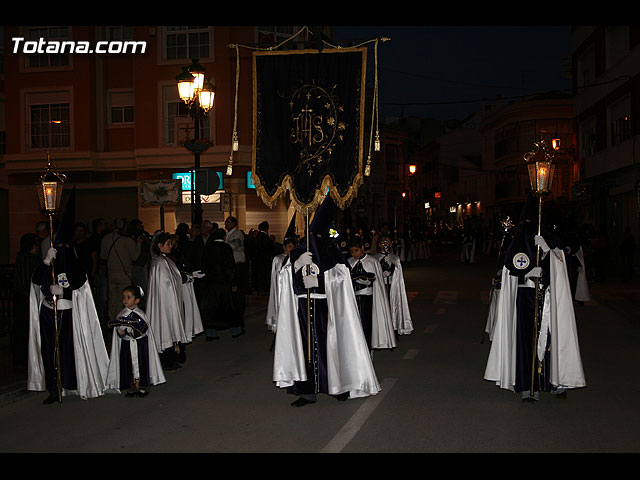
{"x":393,"y":278}
{"x":338,"y":361}
{"x":558,"y":364}
{"x":289,"y":243}
{"x":83,"y":355}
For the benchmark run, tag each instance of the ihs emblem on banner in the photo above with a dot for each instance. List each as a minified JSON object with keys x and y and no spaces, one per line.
{"x":316,"y":125}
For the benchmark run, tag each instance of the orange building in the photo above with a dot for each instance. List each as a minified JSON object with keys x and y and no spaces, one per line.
{"x":113,"y":120}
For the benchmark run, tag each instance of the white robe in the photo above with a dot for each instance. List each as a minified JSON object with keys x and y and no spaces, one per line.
{"x":349,"y":366}
{"x":156,"y":374}
{"x":192,"y":319}
{"x":382,"y":328}
{"x":165,"y":303}
{"x":558,"y":319}
{"x":272,"y":306}
{"x":582,"y":287}
{"x":398,"y":302}
{"x":90,"y":353}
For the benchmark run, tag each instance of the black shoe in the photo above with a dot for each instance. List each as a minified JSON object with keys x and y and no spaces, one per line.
{"x":143,"y":393}
{"x":529,"y":400}
{"x":239,"y":334}
{"x":50,"y":399}
{"x":560,"y":396}
{"x":210,"y":339}
{"x":131,"y":394}
{"x":301,"y":402}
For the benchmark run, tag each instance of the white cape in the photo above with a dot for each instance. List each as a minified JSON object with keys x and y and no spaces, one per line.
{"x":558,"y":319}
{"x":165,"y":303}
{"x":91,"y":359}
{"x":192,"y":319}
{"x":349,"y":363}
{"x":382,"y":328}
{"x":398,"y":302}
{"x":156,"y":374}
{"x":582,"y":287}
{"x":272,"y":306}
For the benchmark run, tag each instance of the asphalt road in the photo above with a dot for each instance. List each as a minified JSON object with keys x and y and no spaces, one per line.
{"x":433,"y":398}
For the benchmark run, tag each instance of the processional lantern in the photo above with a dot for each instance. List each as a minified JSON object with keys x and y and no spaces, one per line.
{"x":50,"y":190}
{"x":541,"y":169}
{"x":540,"y":163}
{"x":50,"y":194}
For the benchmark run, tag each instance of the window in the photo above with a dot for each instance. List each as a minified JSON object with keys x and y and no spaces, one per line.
{"x":186,"y":43}
{"x":48,"y":120}
{"x":39,"y":60}
{"x":617,"y":41}
{"x":120,"y":33}
{"x":269,"y":35}
{"x":619,"y":121}
{"x":49,"y":125}
{"x":587,"y":133}
{"x":179,"y":125}
{"x":586,"y":68}
{"x":121,"y":108}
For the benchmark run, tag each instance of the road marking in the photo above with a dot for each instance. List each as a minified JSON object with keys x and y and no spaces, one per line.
{"x":411,"y":354}
{"x":446,"y":296}
{"x":431,"y":328}
{"x":355,"y":423}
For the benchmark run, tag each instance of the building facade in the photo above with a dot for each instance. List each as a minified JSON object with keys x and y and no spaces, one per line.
{"x":113,"y":120}
{"x":606,"y":81}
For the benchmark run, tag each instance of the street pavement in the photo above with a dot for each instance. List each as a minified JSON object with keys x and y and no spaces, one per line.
{"x":433,"y":400}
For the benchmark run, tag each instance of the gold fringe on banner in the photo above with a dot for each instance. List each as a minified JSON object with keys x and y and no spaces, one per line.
{"x":327,"y":184}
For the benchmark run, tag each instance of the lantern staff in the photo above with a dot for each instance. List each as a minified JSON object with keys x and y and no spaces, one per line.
{"x":541,"y":169}
{"x":50,"y":194}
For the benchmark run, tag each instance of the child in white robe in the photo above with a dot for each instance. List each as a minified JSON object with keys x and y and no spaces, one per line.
{"x":135,"y":363}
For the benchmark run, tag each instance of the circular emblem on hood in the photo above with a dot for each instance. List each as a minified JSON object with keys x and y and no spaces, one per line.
{"x":521,"y":261}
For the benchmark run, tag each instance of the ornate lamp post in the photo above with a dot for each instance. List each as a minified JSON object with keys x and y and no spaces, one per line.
{"x":50,"y":193}
{"x":541,"y":168}
{"x":198,"y":94}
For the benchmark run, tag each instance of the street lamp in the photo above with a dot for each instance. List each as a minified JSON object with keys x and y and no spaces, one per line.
{"x":50,"y":193}
{"x":198,"y":94}
{"x":541,"y":167}
{"x":412,"y":169}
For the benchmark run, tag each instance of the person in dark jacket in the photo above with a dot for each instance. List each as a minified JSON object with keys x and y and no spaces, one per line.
{"x":27,"y":259}
{"x":216,"y":307}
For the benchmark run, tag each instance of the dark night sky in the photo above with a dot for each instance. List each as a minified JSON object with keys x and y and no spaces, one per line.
{"x":451,"y":68}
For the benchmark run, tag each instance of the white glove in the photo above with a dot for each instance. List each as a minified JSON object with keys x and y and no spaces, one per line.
{"x":535,"y":272}
{"x":304,"y":259}
{"x":310,"y":279}
{"x":56,"y":290}
{"x":51,"y":254}
{"x":198,"y":274}
{"x":540,"y":242}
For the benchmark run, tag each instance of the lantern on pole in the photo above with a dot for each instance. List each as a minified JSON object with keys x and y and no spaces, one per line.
{"x":50,"y":193}
{"x":540,"y":164}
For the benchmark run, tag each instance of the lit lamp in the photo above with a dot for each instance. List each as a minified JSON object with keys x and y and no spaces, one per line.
{"x":412,"y":169}
{"x":555,"y":142}
{"x":50,"y":193}
{"x":541,"y":168}
{"x":198,"y":94}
